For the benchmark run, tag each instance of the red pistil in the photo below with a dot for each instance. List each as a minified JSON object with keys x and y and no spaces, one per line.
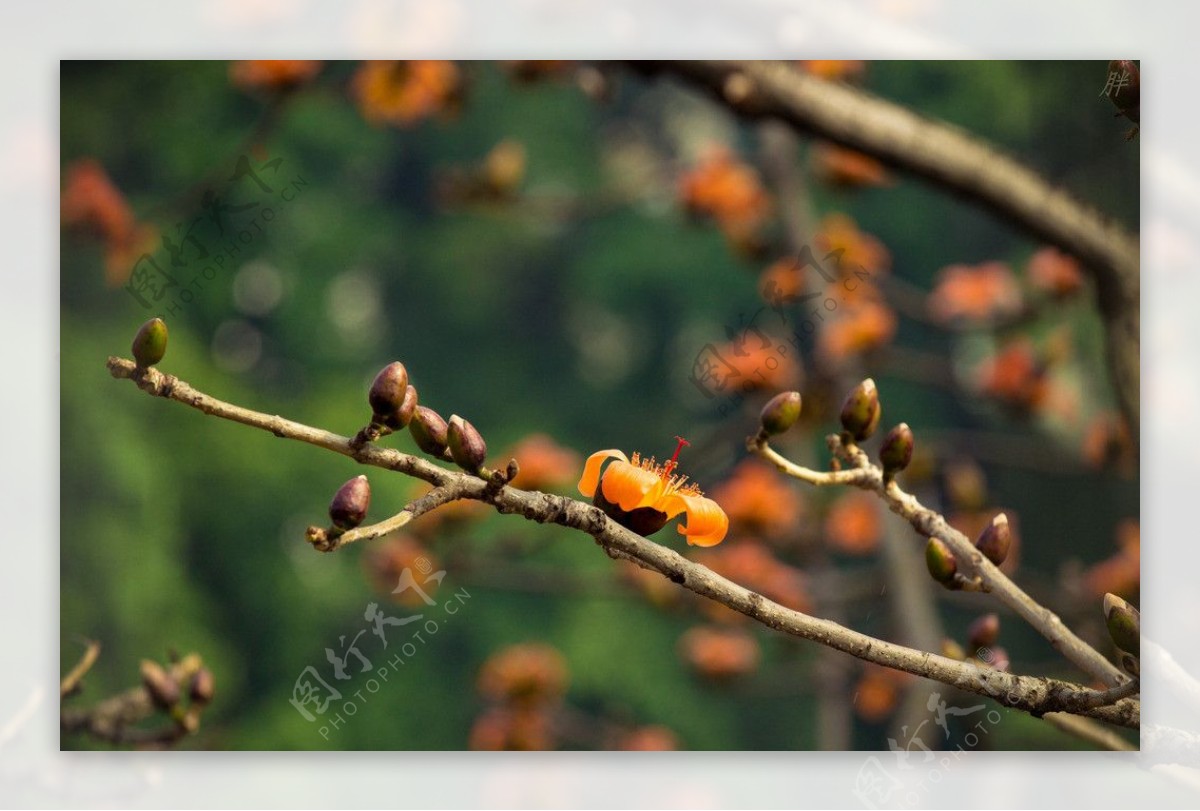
{"x":674,"y":461}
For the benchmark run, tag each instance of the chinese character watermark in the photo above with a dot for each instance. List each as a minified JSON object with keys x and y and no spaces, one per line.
{"x":917,"y":767}
{"x":314,"y":695}
{"x":199,"y":248}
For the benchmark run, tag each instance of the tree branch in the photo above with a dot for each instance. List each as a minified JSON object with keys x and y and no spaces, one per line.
{"x":1034,"y":695}
{"x":70,"y":682}
{"x":114,"y":719}
{"x":957,"y":161}
{"x":930,"y":524}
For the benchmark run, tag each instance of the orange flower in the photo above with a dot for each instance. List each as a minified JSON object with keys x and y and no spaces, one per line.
{"x":759,"y":501}
{"x":643,"y":496}
{"x":649,"y":739}
{"x":839,"y":232}
{"x":720,"y":653}
{"x":1055,"y":272}
{"x":980,"y":293}
{"x":847,"y":168}
{"x":91,"y":201}
{"x":1121,"y":573}
{"x":526,"y":729}
{"x":852,"y":525}
{"x":1107,"y":443}
{"x":544,"y":465}
{"x":782,"y":281}
{"x":841,"y":69}
{"x":729,"y":191}
{"x":759,"y":366}
{"x":875,"y":697}
{"x":859,"y":325}
{"x":1015,"y":376}
{"x":531,"y":672}
{"x":273,"y":74}
{"x":402,"y":93}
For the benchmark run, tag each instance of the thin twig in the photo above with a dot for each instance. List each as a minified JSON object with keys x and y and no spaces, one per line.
{"x":930,"y":524}
{"x":70,"y":683}
{"x":1034,"y":695}
{"x":114,"y":719}
{"x":325,"y":541}
{"x":1088,"y":730}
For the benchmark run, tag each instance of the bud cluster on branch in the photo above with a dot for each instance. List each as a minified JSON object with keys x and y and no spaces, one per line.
{"x":705,"y":525}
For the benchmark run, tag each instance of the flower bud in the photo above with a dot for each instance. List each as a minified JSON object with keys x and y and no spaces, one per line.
{"x":388,"y":390}
{"x":995,"y":540}
{"x":861,"y":410}
{"x":897,"y":449}
{"x":150,"y":343}
{"x":781,"y":412}
{"x":941,"y":562}
{"x":466,"y":445}
{"x":399,"y":418}
{"x":983,"y":632}
{"x":1124,"y":87}
{"x":428,"y":430}
{"x":1124,"y":624}
{"x":350,"y":503}
{"x":163,"y":689}
{"x":996,"y":657}
{"x":201,"y":692}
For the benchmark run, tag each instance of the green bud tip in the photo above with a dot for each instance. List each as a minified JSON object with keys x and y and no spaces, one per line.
{"x":150,"y":343}
{"x":388,"y":391}
{"x":995,"y":540}
{"x":781,"y":412}
{"x":202,"y":688}
{"x":897,"y":449}
{"x":1124,"y":624}
{"x":941,"y":562}
{"x":983,"y":632}
{"x":428,"y":430}
{"x":861,"y":410}
{"x":466,"y":445}
{"x":162,"y":688}
{"x":350,"y":503}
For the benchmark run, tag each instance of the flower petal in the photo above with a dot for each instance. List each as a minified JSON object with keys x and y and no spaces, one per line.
{"x":706,"y":524}
{"x":629,"y":486}
{"x":591,"y":470}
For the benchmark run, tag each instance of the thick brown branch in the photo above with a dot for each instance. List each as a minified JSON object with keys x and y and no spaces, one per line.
{"x":1034,"y":695}
{"x":957,"y":161}
{"x":930,"y":524}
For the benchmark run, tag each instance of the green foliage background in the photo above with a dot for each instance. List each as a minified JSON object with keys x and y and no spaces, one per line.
{"x":185,"y":532}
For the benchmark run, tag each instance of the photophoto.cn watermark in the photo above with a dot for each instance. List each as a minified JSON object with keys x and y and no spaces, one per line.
{"x":328,"y":703}
{"x":233,"y":217}
{"x":724,"y":382}
{"x":916,"y":769}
